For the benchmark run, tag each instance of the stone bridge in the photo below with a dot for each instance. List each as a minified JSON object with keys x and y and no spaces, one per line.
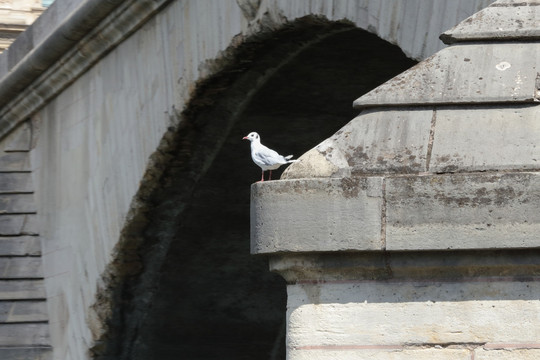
{"x":125,"y":186}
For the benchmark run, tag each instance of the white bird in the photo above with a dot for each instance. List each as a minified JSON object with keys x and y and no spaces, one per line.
{"x":265,"y":158}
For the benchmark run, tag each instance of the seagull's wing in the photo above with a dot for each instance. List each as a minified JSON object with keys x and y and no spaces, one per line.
{"x":268,"y":156}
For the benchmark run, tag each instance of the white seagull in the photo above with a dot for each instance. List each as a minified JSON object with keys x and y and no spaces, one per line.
{"x":266,"y":158}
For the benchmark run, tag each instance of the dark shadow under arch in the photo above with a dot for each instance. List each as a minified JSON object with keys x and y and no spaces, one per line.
{"x":203,"y":296}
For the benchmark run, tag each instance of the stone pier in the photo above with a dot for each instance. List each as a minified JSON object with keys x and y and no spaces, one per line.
{"x":413,"y":232}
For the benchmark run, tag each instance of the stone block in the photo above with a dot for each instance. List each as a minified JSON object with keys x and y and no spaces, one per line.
{"x":375,"y":142}
{"x":316,"y":215}
{"x":22,"y":289}
{"x":508,"y":354}
{"x":21,"y":139}
{"x":15,"y":182}
{"x":17,"y":204}
{"x":312,"y":268}
{"x":21,"y":268}
{"x":480,"y":74}
{"x":23,"y":311}
{"x":20,"y":246}
{"x":15,"y":161}
{"x":24,"y":334}
{"x":496,"y":22}
{"x":378,"y":353}
{"x":423,"y":313}
{"x":22,"y":224}
{"x":26,"y":353}
{"x":463,"y":211}
{"x":482,"y":139}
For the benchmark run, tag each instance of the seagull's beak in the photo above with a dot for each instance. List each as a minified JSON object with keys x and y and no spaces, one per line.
{"x":245,"y":138}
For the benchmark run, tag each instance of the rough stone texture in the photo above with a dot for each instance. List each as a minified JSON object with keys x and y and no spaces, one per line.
{"x":529,"y":352}
{"x":463,"y":211}
{"x":24,"y":335}
{"x":15,"y":183}
{"x":481,"y":139}
{"x":344,"y":214}
{"x":432,"y":313}
{"x":20,"y":246}
{"x":18,"y":225}
{"x":27,"y":311}
{"x":498,"y":22}
{"x":375,"y":304}
{"x":20,"y":290}
{"x":467,"y":74}
{"x":26,"y":353}
{"x":314,"y":268}
{"x":17,"y":204}
{"x":20,"y":268}
{"x":374,"y":143}
{"x":430,"y":212}
{"x":380,"y":353}
{"x":24,"y":332}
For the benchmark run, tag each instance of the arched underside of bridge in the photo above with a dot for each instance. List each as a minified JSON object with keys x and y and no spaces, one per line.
{"x":200,"y":294}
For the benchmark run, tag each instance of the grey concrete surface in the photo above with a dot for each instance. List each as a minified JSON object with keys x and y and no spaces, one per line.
{"x":463,"y":211}
{"x":496,"y":22}
{"x":338,"y":215}
{"x":467,"y":74}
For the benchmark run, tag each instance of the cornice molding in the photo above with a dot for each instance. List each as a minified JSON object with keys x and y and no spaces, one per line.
{"x":18,"y":104}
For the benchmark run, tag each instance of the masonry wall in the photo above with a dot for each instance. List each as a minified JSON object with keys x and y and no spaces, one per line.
{"x":94,"y":146}
{"x":427,"y":318}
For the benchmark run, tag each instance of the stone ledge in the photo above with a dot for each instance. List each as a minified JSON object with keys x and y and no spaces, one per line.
{"x":26,"y":353}
{"x":463,"y":74}
{"x":398,"y":213}
{"x":416,"y":266}
{"x":316,"y":215}
{"x":498,"y":22}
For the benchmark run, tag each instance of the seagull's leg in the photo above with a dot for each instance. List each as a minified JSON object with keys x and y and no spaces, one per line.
{"x":270,"y":177}
{"x":262,"y":176}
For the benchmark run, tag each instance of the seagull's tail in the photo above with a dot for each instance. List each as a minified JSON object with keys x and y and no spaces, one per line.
{"x":288,"y":158}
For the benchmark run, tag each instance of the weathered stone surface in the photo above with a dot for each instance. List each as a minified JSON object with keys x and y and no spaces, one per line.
{"x":352,"y":352}
{"x":22,"y":289}
{"x":405,"y":266}
{"x":15,"y":182}
{"x":528,"y":352}
{"x":498,"y":22}
{"x":463,"y":211}
{"x":372,"y":313}
{"x":14,"y":161}
{"x":22,"y":224}
{"x":375,"y":142}
{"x":21,"y":140}
{"x":339,"y":214}
{"x":24,"y":334}
{"x":26,"y":353}
{"x":20,"y":246}
{"x":20,"y":268}
{"x":479,"y":74}
{"x":480,"y":139}
{"x":22,"y":311}
{"x":17,"y":204}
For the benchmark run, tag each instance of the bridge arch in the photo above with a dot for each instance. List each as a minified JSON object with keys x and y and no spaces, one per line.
{"x":209,"y":286}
